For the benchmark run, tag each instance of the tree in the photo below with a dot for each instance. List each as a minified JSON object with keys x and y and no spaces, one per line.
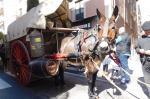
{"x":31,"y":4}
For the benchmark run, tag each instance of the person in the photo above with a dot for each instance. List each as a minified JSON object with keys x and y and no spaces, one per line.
{"x":123,"y":44}
{"x":111,"y":66}
{"x":143,"y":49}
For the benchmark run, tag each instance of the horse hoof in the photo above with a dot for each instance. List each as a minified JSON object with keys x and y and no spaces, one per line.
{"x":94,"y":97}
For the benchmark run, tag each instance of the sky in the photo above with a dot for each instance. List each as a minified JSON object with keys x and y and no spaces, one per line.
{"x":145,"y":9}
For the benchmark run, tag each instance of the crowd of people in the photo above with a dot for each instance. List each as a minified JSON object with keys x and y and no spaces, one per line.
{"x":117,"y":60}
{"x":116,"y":63}
{"x":143,"y":48}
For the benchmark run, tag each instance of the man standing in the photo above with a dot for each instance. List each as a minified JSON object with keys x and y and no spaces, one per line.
{"x":143,"y":48}
{"x":123,"y":44}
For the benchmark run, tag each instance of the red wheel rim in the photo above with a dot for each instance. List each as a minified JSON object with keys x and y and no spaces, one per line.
{"x":20,"y":60}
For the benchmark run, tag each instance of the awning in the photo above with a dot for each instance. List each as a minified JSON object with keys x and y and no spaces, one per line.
{"x":35,"y":18}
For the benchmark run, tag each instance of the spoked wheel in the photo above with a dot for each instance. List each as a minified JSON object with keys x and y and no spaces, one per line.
{"x":20,"y":60}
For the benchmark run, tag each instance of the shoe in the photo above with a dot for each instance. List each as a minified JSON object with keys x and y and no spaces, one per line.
{"x":116,"y":92}
{"x":123,"y":81}
{"x":127,"y":80}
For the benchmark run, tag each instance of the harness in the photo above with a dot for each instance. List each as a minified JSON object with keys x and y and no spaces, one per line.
{"x":85,"y":35}
{"x":83,"y":38}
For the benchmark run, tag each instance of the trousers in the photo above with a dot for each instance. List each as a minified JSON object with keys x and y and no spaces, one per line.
{"x":124,"y":63}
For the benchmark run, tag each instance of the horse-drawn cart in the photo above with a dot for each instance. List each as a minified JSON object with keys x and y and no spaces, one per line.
{"x":32,"y":39}
{"x":39,"y":48}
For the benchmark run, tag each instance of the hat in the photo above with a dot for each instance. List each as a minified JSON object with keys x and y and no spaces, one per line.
{"x":121,"y":30}
{"x":146,"y":25}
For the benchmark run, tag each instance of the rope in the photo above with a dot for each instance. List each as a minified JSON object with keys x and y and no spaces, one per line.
{"x":103,"y":74}
{"x":135,"y":78}
{"x":122,"y":91}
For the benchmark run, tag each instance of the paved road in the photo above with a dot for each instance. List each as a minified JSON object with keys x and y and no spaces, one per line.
{"x":10,"y":89}
{"x":76,"y":87}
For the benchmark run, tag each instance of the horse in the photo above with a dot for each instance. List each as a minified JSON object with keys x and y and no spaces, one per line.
{"x":89,"y":47}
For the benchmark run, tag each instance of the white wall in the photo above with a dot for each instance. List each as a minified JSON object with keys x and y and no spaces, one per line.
{"x":145,"y":10}
{"x":1,"y":17}
{"x":12,"y":11}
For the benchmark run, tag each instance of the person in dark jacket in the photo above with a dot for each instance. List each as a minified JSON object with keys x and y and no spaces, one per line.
{"x":123,"y":44}
{"x":143,"y":43}
{"x":143,"y":49}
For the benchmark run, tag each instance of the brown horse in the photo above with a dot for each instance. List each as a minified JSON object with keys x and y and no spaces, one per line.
{"x":90,"y":45}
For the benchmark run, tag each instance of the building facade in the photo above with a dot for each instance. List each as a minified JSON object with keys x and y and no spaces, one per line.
{"x":83,"y":12}
{"x":86,"y":9}
{"x":139,"y":19}
{"x":1,"y":17}
{"x":129,"y":17}
{"x":10,"y":11}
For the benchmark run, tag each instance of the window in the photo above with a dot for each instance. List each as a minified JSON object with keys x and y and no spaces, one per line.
{"x":79,"y":14}
{"x":79,"y":11}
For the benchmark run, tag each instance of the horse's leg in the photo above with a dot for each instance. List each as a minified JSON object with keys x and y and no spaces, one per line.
{"x":61,"y":75}
{"x":56,"y":80}
{"x":91,"y":85}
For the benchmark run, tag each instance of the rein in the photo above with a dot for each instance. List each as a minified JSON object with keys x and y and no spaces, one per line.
{"x":87,"y":34}
{"x":116,"y":60}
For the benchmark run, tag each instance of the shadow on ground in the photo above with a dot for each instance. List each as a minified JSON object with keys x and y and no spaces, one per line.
{"x":144,"y":88}
{"x":46,"y":89}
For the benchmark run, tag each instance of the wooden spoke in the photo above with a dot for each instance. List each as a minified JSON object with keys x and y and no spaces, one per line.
{"x":20,"y":60}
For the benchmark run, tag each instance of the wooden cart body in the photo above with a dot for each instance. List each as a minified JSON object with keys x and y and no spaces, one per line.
{"x":32,"y":39}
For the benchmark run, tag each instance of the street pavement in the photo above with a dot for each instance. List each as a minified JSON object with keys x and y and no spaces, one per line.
{"x":133,"y":90}
{"x":138,"y":89}
{"x":76,"y":86}
{"x":10,"y":89}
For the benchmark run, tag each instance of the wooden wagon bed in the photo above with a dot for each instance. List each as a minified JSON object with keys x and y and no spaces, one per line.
{"x":25,"y":57}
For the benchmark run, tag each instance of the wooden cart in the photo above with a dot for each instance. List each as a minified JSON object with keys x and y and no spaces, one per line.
{"x":34,"y":40}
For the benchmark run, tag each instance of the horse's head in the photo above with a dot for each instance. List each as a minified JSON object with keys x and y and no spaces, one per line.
{"x":106,"y":30}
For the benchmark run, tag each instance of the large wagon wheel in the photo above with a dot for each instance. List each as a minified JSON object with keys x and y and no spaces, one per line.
{"x":20,"y":60}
